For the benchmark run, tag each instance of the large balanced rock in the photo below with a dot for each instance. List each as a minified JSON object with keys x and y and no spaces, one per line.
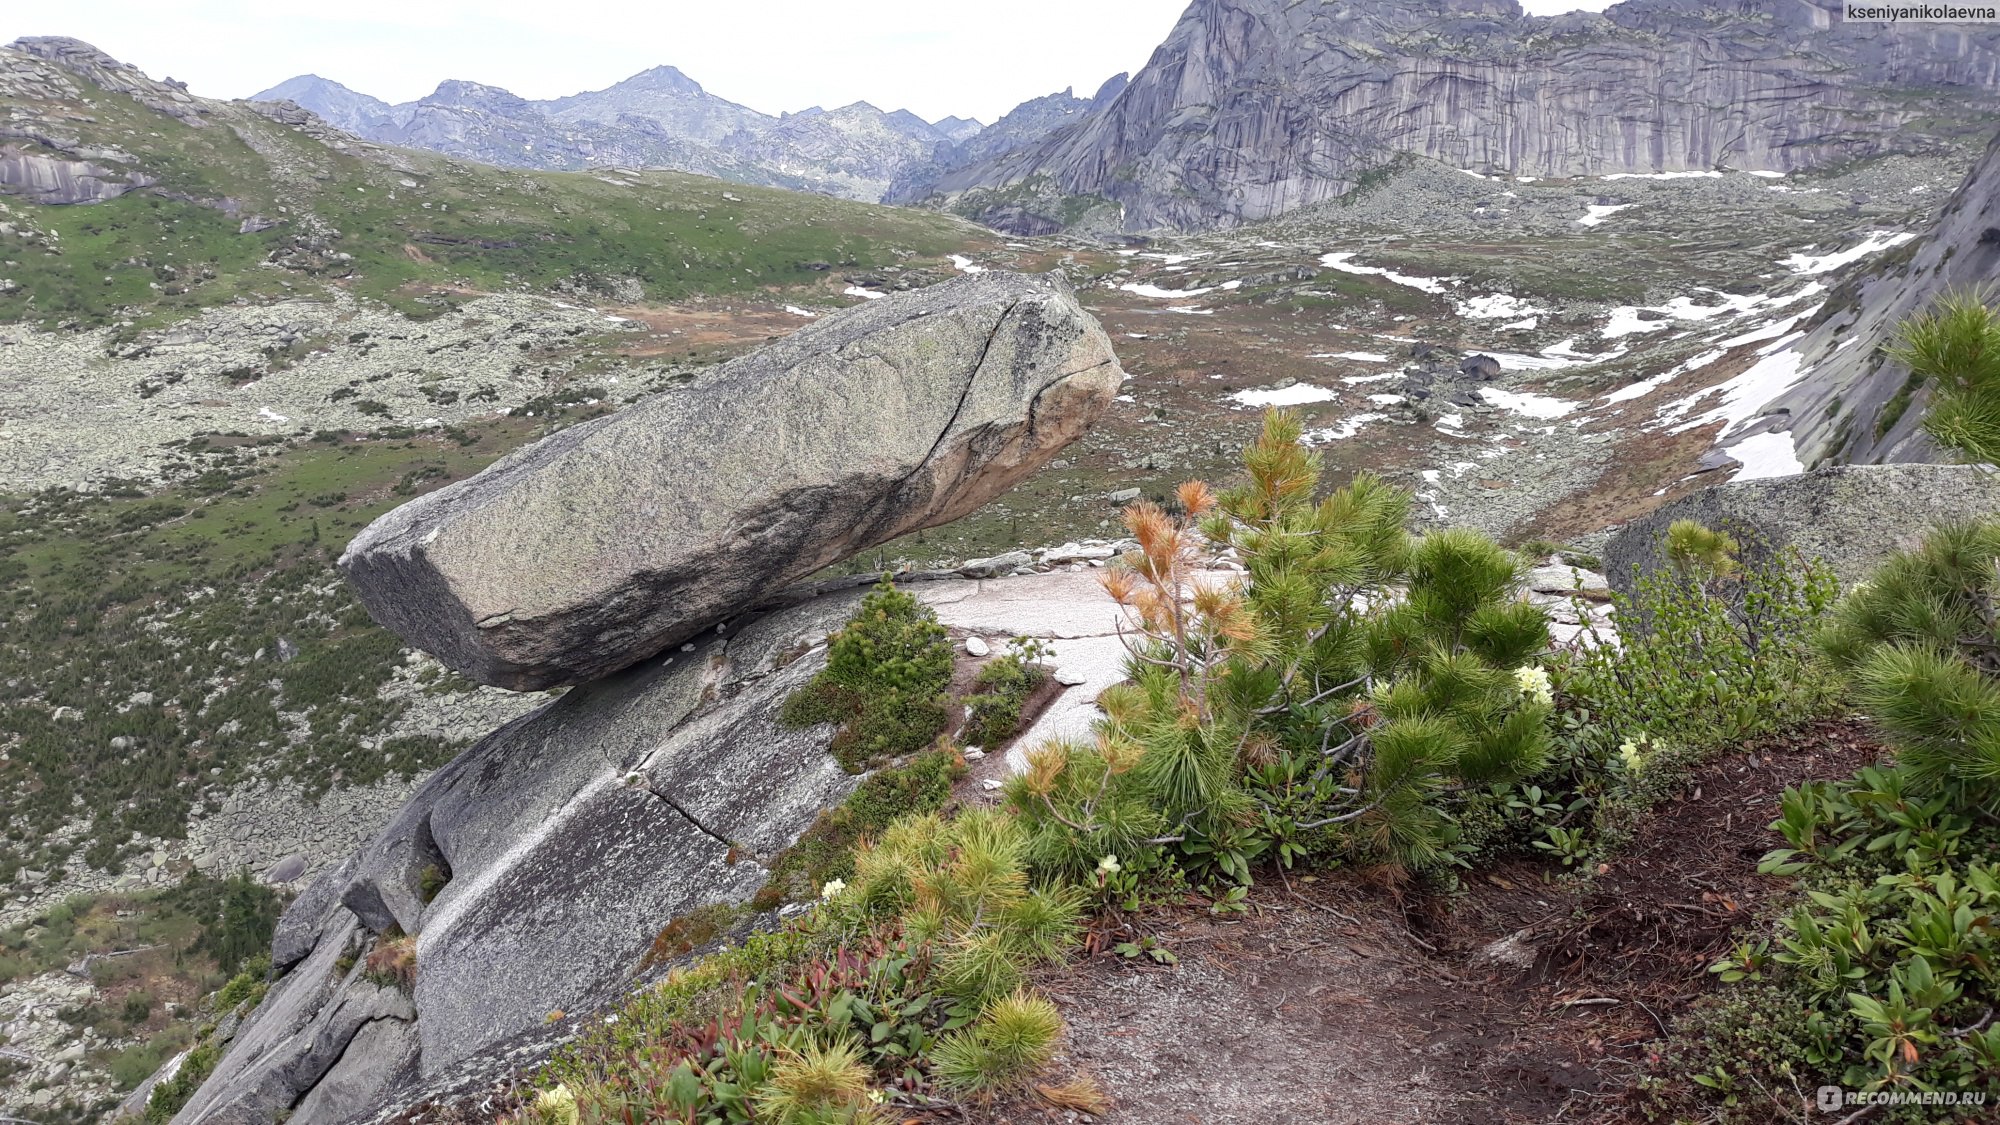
{"x":612,"y":540}
{"x":1851,"y":517}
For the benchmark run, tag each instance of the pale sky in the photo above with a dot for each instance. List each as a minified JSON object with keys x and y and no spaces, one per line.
{"x":971,"y":58}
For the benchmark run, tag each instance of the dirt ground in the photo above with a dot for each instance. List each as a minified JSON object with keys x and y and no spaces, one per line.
{"x":1333,"y":1001}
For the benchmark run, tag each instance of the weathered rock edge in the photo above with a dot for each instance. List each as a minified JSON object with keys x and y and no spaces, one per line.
{"x":613,"y":540}
{"x":1851,"y":517}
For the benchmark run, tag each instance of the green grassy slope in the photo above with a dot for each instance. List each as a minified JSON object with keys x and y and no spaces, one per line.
{"x":391,"y":223}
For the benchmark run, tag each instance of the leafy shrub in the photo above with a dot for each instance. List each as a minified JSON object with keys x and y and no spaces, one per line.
{"x":169,"y":1096}
{"x":248,"y":985}
{"x":1890,"y":964}
{"x":1715,"y":650}
{"x":884,"y":681}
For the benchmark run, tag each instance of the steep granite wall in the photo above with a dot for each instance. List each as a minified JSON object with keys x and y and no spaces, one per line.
{"x":1255,"y":107}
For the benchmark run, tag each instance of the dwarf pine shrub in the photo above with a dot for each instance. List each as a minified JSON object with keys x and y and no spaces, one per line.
{"x":884,"y":681}
{"x":1922,"y":643}
{"x":1954,"y":348}
{"x":1378,"y":672}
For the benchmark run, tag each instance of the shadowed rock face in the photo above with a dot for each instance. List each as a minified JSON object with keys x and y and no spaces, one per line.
{"x":1851,"y":404}
{"x":563,"y":842}
{"x":50,"y":179}
{"x":613,"y":540}
{"x":1254,"y":107}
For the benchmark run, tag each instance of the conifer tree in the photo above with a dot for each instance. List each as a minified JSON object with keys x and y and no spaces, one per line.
{"x":1381,"y":669}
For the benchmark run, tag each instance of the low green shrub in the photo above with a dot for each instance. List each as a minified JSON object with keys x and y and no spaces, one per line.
{"x":169,"y":1096}
{"x":849,"y":1007}
{"x":993,"y":713}
{"x":884,"y":681}
{"x":1714,"y":650}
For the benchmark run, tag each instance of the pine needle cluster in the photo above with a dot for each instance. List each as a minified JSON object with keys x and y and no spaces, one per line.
{"x":1954,"y":348}
{"x":1922,"y":643}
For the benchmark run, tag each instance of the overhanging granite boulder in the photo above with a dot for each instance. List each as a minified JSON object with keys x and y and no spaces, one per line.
{"x":608,"y":542}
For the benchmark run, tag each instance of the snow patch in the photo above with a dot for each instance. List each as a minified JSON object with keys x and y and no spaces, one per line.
{"x":1348,"y":428}
{"x":1342,"y":262}
{"x":1495,"y":306}
{"x":1647,"y":386}
{"x":1298,"y":394}
{"x":857,"y":291}
{"x":1743,"y":397}
{"x":1875,"y":243}
{"x":1527,"y":403}
{"x":1662,"y":176}
{"x":1146,"y":290}
{"x":1596,"y":213}
{"x":1765,"y":456}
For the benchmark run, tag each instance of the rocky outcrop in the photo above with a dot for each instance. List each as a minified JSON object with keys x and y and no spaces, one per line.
{"x":79,"y":58}
{"x":1851,"y":517}
{"x":1256,"y":107}
{"x":560,"y":846}
{"x":615,"y":539}
{"x":535,"y":871}
{"x":46,"y":178}
{"x":1024,"y":125}
{"x":1852,"y":402}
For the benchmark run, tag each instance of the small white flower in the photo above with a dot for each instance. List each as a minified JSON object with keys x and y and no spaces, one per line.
{"x":1534,"y":682}
{"x":1109,"y":865}
{"x":1630,"y":754}
{"x":832,"y":889}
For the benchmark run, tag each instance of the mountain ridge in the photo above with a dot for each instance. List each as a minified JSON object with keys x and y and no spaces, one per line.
{"x":657,"y":118}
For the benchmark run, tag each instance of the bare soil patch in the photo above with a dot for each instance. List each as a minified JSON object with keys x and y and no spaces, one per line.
{"x":1328,"y":1003}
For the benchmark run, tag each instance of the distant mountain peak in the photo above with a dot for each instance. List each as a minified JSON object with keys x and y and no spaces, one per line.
{"x":667,"y":78}
{"x":475,"y":95}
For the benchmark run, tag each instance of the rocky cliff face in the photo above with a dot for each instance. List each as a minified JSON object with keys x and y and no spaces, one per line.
{"x":1256,"y":107}
{"x":1855,"y":404}
{"x":1024,"y":125}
